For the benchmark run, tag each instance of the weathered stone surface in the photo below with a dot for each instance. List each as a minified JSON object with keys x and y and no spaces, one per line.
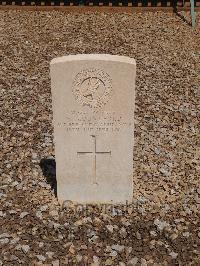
{"x":93,"y":105}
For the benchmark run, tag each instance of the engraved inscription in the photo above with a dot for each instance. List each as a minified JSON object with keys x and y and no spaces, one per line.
{"x":77,"y":121}
{"x":94,"y":154}
{"x":92,"y":87}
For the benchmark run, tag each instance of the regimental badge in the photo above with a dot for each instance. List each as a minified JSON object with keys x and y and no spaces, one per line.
{"x":92,"y":87}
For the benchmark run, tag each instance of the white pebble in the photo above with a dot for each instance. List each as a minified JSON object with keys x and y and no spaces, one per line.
{"x":55,"y":263}
{"x":14,"y":240}
{"x":153,"y":233}
{"x":4,"y":235}
{"x":4,"y":241}
{"x":12,"y":212}
{"x":23,"y":214}
{"x":113,"y":253}
{"x":38,"y":214}
{"x":41,"y":258}
{"x":43,"y":208}
{"x":41,"y":244}
{"x":79,"y":258}
{"x":50,"y":254}
{"x":96,"y":259}
{"x":173,"y":255}
{"x":110,"y":228}
{"x":160,"y":225}
{"x":25,"y":248}
{"x":133,"y":261}
{"x":118,"y":247}
{"x":15,"y":183}
{"x":143,"y":262}
{"x":186,"y":234}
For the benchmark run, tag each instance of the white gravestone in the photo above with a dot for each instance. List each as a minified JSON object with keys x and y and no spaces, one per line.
{"x":93,"y":115}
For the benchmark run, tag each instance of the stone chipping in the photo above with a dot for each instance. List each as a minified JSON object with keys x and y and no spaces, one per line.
{"x":162,"y":226}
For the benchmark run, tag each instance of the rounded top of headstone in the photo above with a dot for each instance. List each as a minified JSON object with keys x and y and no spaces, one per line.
{"x":97,"y":57}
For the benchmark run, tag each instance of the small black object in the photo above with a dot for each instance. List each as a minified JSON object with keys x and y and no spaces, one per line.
{"x":48,"y":167}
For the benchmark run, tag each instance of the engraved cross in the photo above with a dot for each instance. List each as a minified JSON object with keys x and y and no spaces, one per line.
{"x":94,"y":154}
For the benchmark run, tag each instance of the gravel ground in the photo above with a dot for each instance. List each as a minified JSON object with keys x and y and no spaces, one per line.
{"x":162,"y":225}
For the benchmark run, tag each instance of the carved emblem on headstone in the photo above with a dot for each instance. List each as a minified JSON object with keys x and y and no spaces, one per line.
{"x":92,"y":87}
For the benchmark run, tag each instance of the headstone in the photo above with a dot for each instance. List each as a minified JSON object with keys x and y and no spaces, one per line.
{"x":93,"y":115}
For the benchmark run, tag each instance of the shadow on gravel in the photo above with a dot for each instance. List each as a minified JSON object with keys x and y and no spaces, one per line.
{"x":48,"y":167}
{"x":182,"y":17}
